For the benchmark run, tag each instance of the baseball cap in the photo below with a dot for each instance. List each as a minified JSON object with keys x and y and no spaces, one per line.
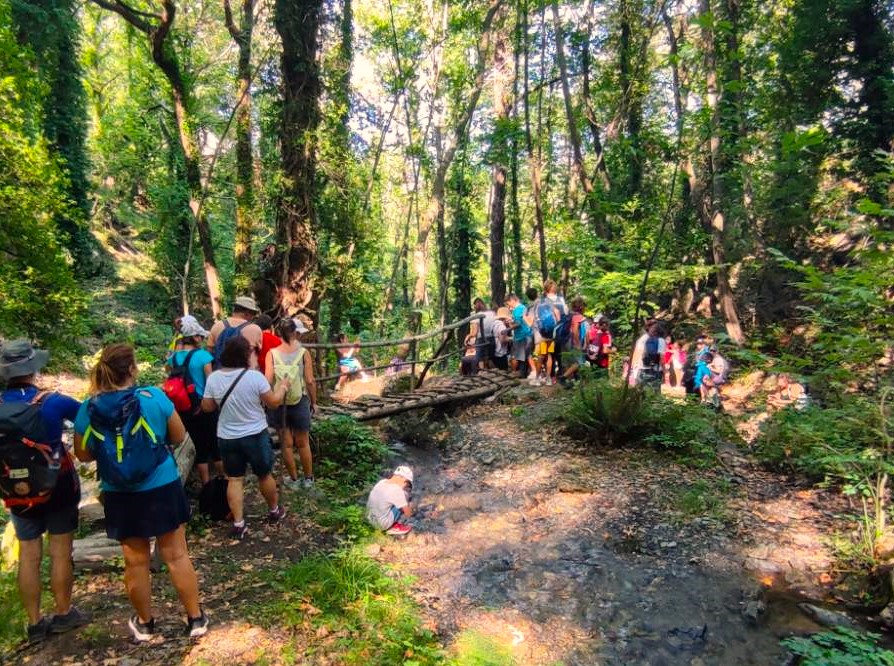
{"x":405,"y":472}
{"x":190,"y":326}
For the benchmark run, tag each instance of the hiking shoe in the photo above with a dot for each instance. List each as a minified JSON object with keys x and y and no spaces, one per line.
{"x":239,"y":531}
{"x":307,"y":483}
{"x":39,"y":631}
{"x":276,"y":515}
{"x":197,"y":626}
{"x":73,"y":619}
{"x":533,"y":381}
{"x":142,"y":631}
{"x":294,"y":484}
{"x":399,"y":529}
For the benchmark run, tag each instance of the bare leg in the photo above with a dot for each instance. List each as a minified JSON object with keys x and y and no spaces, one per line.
{"x":302,"y":443}
{"x":235,"y":496}
{"x":136,"y":576}
{"x":61,"y":571}
{"x":268,"y":491}
{"x":287,"y":441}
{"x":30,"y":554}
{"x":172,"y":547}
{"x":204,"y":474}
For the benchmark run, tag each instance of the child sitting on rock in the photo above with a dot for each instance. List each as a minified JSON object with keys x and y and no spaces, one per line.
{"x":389,"y":502}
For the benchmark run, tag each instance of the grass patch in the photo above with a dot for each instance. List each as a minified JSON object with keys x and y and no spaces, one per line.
{"x":350,"y":607}
{"x":702,"y":498}
{"x":472,"y":648}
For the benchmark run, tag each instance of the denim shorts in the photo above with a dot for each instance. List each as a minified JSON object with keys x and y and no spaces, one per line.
{"x":294,"y":417}
{"x":255,"y":450}
{"x":38,"y":520}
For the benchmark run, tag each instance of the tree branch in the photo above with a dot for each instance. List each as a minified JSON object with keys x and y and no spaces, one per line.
{"x":132,"y":16}
{"x":228,"y":21}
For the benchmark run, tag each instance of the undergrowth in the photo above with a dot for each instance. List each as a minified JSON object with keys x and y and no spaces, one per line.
{"x":840,"y":647}
{"x":351,"y":454}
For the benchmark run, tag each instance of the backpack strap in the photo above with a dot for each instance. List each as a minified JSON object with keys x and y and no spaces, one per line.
{"x":188,"y":358}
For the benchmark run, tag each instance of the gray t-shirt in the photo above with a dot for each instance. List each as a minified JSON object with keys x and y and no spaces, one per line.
{"x":501,"y":348}
{"x":487,"y":324}
{"x":243,"y":413}
{"x":384,"y":497}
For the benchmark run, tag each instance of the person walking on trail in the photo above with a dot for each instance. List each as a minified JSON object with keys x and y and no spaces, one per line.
{"x":482,"y":330}
{"x":41,"y":492}
{"x":349,"y":366}
{"x":291,"y":361}
{"x":269,"y":340}
{"x":389,"y":503}
{"x":469,"y":363}
{"x":502,"y":338}
{"x":600,"y":345}
{"x":128,"y":430}
{"x":648,"y":357}
{"x":714,"y":378}
{"x":240,"y":322}
{"x":548,"y":313}
{"x":240,"y":394}
{"x":193,"y":363}
{"x":521,"y":340}
{"x":578,"y":339}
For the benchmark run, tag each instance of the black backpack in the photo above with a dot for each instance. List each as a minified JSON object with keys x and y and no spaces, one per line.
{"x":228,"y":332}
{"x":651,"y":355}
{"x":29,"y":468}
{"x":213,"y":499}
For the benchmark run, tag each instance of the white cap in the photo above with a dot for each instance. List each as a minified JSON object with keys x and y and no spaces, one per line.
{"x":300,"y":326}
{"x":190,"y":326}
{"x":405,"y":472}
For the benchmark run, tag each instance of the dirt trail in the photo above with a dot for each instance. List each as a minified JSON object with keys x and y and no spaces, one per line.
{"x":566,"y":555}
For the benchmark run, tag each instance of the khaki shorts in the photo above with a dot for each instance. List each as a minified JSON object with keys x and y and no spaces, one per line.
{"x":545,"y":347}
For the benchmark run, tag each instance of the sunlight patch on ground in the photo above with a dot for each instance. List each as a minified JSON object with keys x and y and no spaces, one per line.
{"x":236,"y":643}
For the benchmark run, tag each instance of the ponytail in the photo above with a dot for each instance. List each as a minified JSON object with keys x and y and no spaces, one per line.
{"x":113,"y":369}
{"x":286,"y":329}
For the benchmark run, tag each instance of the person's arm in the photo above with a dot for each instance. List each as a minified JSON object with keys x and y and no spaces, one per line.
{"x":310,"y":383}
{"x":80,"y":451}
{"x":274,"y":399}
{"x":207,"y":370}
{"x":176,"y":430}
{"x":407,"y":511}
{"x":268,"y":367}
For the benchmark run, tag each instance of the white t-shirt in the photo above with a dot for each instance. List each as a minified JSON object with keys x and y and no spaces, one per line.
{"x":382,"y":499}
{"x":243,"y":413}
{"x":487,"y":324}
{"x":500,"y":348}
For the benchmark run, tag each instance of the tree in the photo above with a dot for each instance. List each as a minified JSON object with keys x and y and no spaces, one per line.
{"x":499,"y":153}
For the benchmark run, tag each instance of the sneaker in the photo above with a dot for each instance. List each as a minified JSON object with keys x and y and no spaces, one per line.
{"x":197,"y":626}
{"x":39,"y":631}
{"x":239,"y":531}
{"x":293,"y":484}
{"x":276,"y":515}
{"x":142,"y":631}
{"x":533,"y":381}
{"x":307,"y":482}
{"x":399,"y":529}
{"x":73,"y":619}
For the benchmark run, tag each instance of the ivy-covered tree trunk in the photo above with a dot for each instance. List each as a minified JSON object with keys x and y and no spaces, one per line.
{"x":164,"y":57}
{"x":500,"y":157}
{"x":298,"y":26}
{"x":242,"y":36}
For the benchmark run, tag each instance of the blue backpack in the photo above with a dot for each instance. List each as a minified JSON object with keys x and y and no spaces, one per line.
{"x":125,"y":447}
{"x":229,"y":331}
{"x":583,"y":334}
{"x":546,"y":318}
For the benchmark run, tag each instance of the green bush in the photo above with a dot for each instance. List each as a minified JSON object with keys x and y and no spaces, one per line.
{"x":350,"y":453}
{"x":840,"y":647}
{"x":819,"y":442}
{"x":605,"y":413}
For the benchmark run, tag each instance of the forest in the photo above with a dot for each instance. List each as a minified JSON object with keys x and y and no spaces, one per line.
{"x":726,"y":166}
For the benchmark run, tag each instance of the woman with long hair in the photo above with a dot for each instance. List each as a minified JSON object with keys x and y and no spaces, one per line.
{"x":292,"y":419}
{"x":128,"y":430}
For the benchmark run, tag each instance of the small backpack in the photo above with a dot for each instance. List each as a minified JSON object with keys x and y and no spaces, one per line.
{"x":546,"y":318}
{"x":294,"y":371}
{"x":29,"y":468}
{"x":213,"y":499}
{"x":583,"y":334}
{"x":221,"y":341}
{"x":180,"y":387}
{"x":126,"y":448}
{"x":651,"y":356}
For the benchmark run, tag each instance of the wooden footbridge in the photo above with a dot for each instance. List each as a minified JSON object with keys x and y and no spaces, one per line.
{"x":377,"y":397}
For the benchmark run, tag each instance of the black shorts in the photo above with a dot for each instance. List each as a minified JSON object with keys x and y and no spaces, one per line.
{"x":145,"y":514}
{"x":237,"y":454}
{"x":501,"y":362}
{"x":202,"y":429}
{"x":294,"y":417}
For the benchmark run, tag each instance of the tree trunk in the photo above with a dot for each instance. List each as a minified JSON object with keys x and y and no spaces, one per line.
{"x":298,"y":25}
{"x":500,"y":151}
{"x":535,"y":159}
{"x":242,"y":36}
{"x":164,"y":57}
{"x":517,"y":264}
{"x":716,"y":192}
{"x":435,"y":205}
{"x":589,"y":111}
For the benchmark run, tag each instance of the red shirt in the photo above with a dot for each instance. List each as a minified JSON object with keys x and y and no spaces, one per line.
{"x":602,"y":339}
{"x":268,"y":341}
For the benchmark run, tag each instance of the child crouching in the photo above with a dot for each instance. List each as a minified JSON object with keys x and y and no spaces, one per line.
{"x":388,"y":502}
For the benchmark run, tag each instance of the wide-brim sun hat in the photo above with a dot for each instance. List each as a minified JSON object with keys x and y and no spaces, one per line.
{"x":503,"y":313}
{"x":18,"y":358}
{"x":190,"y":326}
{"x":406,"y":472}
{"x":247,"y":303}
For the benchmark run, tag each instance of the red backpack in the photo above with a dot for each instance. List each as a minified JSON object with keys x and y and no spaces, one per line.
{"x":180,"y":387}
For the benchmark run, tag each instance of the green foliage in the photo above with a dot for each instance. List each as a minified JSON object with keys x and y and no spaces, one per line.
{"x":840,"y":647}
{"x":349,"y":522}
{"x":350,"y":594}
{"x":12,"y":615}
{"x":472,"y":648}
{"x":606,"y":413}
{"x":351,"y":454}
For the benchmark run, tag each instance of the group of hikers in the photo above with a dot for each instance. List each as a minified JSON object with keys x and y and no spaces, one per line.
{"x":548,"y":341}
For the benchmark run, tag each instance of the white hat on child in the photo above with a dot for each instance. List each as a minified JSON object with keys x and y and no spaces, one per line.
{"x":405,"y":472}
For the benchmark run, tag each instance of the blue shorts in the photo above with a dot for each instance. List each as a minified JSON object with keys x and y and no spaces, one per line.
{"x":38,"y":520}
{"x":294,"y":417}
{"x":255,"y":450}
